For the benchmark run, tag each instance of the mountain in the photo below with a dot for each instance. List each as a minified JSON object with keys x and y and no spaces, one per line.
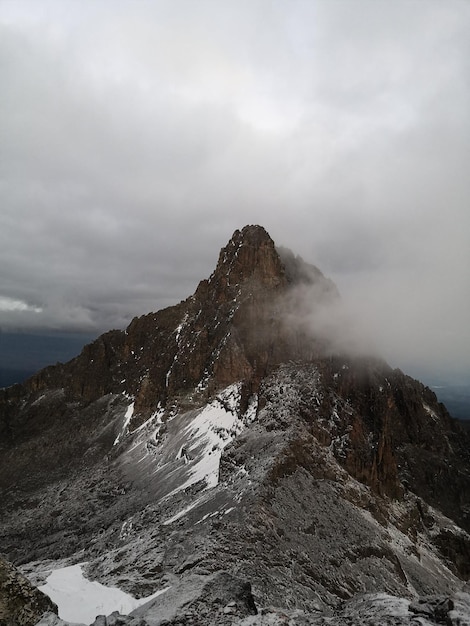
{"x":228,"y":461}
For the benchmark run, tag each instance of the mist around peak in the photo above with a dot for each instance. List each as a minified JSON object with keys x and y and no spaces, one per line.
{"x":312,"y":307}
{"x":413,"y":314}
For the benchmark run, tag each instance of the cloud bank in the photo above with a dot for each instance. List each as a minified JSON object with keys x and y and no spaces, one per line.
{"x":136,"y":138}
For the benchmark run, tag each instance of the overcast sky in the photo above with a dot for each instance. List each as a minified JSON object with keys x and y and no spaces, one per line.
{"x":136,"y":136}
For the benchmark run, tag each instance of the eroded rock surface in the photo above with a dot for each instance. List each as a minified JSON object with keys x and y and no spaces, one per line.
{"x":21,"y":603}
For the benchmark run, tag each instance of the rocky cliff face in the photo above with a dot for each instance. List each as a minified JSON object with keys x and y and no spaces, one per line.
{"x":225,"y":434}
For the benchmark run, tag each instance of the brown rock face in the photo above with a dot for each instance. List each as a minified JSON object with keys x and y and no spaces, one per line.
{"x":250,"y":255}
{"x":400,"y":437}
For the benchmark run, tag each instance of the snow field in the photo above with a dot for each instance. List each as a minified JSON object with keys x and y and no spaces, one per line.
{"x":210,"y":432}
{"x":81,"y":600}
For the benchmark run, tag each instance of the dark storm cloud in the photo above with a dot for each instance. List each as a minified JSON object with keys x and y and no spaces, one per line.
{"x":137,"y":137}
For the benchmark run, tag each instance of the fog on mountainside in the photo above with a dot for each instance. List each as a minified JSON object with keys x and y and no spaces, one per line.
{"x":345,"y":329}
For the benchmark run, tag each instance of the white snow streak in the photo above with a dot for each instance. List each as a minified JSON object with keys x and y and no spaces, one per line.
{"x":127,"y":419}
{"x":183,"y":512}
{"x":429,"y":411}
{"x":215,"y":426}
{"x":210,"y":432}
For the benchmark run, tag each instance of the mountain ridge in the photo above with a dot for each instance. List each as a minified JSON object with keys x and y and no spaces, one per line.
{"x":156,"y":445}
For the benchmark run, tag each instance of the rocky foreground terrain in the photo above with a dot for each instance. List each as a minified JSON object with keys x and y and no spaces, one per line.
{"x":229,"y":461}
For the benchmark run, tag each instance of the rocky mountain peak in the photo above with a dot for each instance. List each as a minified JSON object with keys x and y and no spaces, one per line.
{"x":249,"y":256}
{"x":252,"y":254}
{"x":233,"y":328}
{"x":243,"y":304}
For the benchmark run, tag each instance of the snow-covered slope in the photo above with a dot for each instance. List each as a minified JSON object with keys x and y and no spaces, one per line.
{"x":258,"y":493}
{"x":177,"y":450}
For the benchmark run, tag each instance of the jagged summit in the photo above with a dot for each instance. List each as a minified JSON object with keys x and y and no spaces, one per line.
{"x":251,"y":235}
{"x":250,"y":254}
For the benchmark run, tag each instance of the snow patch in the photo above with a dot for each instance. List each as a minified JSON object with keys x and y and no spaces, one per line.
{"x":127,"y":418}
{"x":81,"y":600}
{"x":177,"y":331}
{"x":180,"y":327}
{"x":430,"y":412}
{"x":156,"y":415}
{"x":41,"y":397}
{"x":213,"y":428}
{"x":203,"y":383}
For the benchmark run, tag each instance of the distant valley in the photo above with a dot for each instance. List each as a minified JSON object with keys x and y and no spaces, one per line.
{"x":456,"y":398}
{"x":23,"y":354}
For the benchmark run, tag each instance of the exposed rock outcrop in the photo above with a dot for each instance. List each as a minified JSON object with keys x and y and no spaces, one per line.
{"x":21,"y":604}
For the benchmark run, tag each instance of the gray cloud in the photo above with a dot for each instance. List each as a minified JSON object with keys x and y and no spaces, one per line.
{"x":137,"y":137}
